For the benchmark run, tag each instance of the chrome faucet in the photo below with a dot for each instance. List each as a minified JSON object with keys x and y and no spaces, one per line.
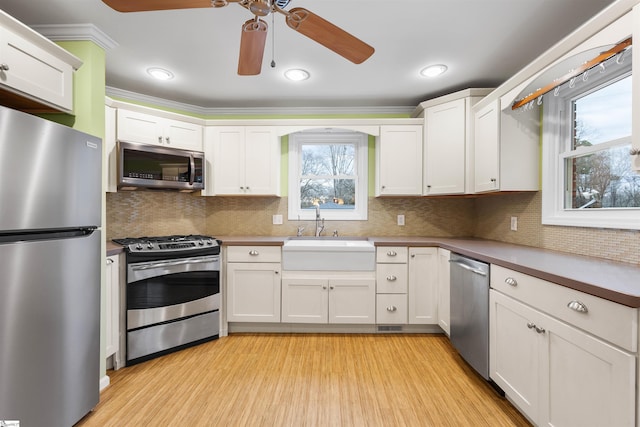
{"x":319,"y":222}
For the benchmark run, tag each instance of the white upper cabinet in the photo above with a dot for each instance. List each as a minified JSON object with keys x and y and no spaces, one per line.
{"x":444,"y":149}
{"x":399,"y":161}
{"x":134,"y":126}
{"x":487,"y":148}
{"x":36,"y":74}
{"x":243,"y":160}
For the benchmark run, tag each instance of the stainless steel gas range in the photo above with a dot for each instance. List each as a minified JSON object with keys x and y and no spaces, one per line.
{"x":172,"y":294}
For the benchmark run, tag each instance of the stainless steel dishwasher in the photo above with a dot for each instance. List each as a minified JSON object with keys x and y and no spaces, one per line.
{"x":470,"y":311}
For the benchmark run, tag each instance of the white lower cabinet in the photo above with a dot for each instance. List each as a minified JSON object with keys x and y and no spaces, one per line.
{"x":423,"y":281}
{"x":328,"y":298}
{"x":557,"y":374}
{"x":444,"y":300}
{"x":112,"y":305}
{"x":253,"y":284}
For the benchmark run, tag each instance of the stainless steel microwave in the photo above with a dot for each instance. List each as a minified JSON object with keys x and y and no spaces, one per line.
{"x":155,"y":167}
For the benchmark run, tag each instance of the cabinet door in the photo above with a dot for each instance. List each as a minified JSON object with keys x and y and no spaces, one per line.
{"x":487,"y":148}
{"x":399,"y":156}
{"x":262,"y":161}
{"x":443,"y":290}
{"x":183,"y":135}
{"x":352,"y":301}
{"x":112,"y":306}
{"x":35,"y":72}
{"x":305,"y":300}
{"x":139,"y":127}
{"x":228,"y":159}
{"x":515,"y":351}
{"x":253,"y":292}
{"x":585,"y":381}
{"x":444,"y":157}
{"x":423,"y":282}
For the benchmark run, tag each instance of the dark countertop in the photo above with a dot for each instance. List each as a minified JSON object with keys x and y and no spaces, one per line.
{"x":615,"y":281}
{"x":114,"y":248}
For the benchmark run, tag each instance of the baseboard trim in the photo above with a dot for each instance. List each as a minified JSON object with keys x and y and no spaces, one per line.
{"x":104,"y":382}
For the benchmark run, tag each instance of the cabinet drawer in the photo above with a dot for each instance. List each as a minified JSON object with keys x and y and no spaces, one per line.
{"x":392,"y":254}
{"x":391,"y":278}
{"x":253,"y":254}
{"x":608,"y":320}
{"x":391,"y":309}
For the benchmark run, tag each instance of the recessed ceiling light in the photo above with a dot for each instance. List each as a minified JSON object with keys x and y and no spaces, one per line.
{"x":433,"y":70}
{"x":160,"y":73}
{"x":296,"y":74}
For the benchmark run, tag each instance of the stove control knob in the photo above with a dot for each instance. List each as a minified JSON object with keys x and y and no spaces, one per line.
{"x":139,"y":246}
{"x":201,"y":243}
{"x":150,"y":245}
{"x":209,"y":242}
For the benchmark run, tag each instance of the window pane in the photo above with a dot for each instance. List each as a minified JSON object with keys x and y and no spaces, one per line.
{"x":603,"y":115}
{"x":327,"y":193}
{"x":328,"y":159}
{"x":602,"y":180}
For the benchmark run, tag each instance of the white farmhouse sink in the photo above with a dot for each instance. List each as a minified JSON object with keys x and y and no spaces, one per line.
{"x":332,"y":254}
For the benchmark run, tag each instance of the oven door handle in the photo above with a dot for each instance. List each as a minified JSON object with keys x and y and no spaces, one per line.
{"x":171,"y":264}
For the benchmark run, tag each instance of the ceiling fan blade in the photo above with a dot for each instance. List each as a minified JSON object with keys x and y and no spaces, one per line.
{"x":328,"y":35}
{"x":254,"y":36}
{"x":145,"y":5}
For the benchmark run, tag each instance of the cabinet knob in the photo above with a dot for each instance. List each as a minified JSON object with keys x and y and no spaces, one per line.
{"x":578,"y":306}
{"x":159,"y":140}
{"x":511,"y":281}
{"x":539,"y":330}
{"x":276,"y":272}
{"x":331,"y":287}
{"x":392,"y":308}
{"x":392,"y":253}
{"x":531,"y":325}
{"x":109,"y":261}
{"x":168,"y":140}
{"x":324,"y":286}
{"x":254,"y":253}
{"x":4,"y":67}
{"x":392,"y":278}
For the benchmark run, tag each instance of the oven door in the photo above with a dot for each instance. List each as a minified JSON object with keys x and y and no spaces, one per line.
{"x":166,"y":290}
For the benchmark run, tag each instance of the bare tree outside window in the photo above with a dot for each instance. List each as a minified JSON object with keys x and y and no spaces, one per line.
{"x":599,"y":166}
{"x":328,"y":176}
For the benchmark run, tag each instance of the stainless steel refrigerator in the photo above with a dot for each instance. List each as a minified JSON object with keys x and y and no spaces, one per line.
{"x":50,"y":259}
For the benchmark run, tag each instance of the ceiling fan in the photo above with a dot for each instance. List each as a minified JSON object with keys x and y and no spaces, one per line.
{"x":254,"y":31}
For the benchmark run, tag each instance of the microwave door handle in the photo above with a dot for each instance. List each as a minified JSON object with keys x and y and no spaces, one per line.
{"x":192,"y":169}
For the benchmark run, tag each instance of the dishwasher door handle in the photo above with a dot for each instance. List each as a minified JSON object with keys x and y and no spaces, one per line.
{"x":466,"y":267}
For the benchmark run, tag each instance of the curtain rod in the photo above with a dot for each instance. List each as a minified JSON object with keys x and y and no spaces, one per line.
{"x":571,"y":74}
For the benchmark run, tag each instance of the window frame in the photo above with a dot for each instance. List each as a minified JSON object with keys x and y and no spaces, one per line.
{"x":329,"y":136}
{"x":556,"y":148}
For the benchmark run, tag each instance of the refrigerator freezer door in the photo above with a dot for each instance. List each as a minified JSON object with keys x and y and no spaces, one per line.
{"x":51,"y":174}
{"x":49,"y":330}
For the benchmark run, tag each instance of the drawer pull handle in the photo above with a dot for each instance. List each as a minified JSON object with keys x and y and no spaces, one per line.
{"x":4,"y":67}
{"x":392,"y":278}
{"x":254,"y":253}
{"x":392,"y":308}
{"x":578,"y":306}
{"x":531,"y":325}
{"x":392,"y":253}
{"x":511,"y":281}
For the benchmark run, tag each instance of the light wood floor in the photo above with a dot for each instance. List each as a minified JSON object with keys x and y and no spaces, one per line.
{"x":304,"y":380}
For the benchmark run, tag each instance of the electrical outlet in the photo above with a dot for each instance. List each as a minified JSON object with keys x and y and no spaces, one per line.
{"x":400,"y":219}
{"x":277,"y":220}
{"x":514,"y":223}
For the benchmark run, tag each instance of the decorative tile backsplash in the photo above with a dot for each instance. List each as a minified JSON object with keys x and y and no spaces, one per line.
{"x":146,"y":213}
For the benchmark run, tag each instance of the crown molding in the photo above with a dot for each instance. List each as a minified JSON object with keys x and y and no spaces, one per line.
{"x":285,"y":111}
{"x":76,"y":32}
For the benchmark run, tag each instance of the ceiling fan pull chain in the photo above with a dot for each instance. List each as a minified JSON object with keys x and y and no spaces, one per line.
{"x":273,"y":42}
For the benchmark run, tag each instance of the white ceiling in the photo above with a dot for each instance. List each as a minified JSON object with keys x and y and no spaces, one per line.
{"x":483,"y":42}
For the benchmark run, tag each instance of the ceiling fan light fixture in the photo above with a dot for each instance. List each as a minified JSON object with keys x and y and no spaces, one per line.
{"x":297,"y":74}
{"x":433,"y":70}
{"x":160,"y":73}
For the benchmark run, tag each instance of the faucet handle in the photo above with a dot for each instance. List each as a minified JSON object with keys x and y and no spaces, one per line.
{"x":300,"y":230}
{"x":335,"y":233}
